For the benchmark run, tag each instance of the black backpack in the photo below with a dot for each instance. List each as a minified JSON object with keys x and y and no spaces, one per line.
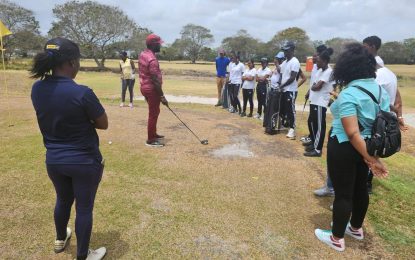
{"x":386,"y":135}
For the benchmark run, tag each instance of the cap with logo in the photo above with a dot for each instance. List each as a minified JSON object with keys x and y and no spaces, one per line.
{"x":289,"y":45}
{"x":153,"y":39}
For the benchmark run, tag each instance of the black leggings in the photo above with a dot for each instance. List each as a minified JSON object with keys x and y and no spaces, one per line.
{"x":248,"y":95}
{"x":233,"y":93}
{"x":348,"y":173}
{"x":130,"y":84}
{"x":261,"y":94}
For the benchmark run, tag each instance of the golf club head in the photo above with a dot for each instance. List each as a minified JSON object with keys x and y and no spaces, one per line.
{"x":205,"y":142}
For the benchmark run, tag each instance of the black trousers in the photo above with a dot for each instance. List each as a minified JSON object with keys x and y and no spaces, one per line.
{"x":225,"y":96}
{"x":348,"y":172}
{"x":261,"y":94}
{"x":317,"y":126}
{"x":248,"y":95}
{"x":272,"y":110}
{"x":233,"y":94}
{"x":127,"y":83}
{"x":288,"y":107}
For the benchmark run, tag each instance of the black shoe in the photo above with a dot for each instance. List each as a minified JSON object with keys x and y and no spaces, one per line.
{"x":243,"y":114}
{"x":249,"y":115}
{"x":218,"y":104}
{"x":155,"y":143}
{"x":159,"y":136}
{"x":270,"y":132}
{"x":309,"y":148}
{"x":313,"y":153}
{"x":307,"y":143}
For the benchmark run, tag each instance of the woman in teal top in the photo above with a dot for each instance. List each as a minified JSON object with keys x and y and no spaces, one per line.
{"x":347,"y":159}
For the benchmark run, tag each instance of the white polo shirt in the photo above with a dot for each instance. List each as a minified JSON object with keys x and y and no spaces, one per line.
{"x":379,"y":61}
{"x":235,"y":72}
{"x":286,"y":68}
{"x":387,"y":79}
{"x":313,"y":74}
{"x":263,"y":72}
{"x":249,"y":84}
{"x":322,"y":96}
{"x":275,"y":78}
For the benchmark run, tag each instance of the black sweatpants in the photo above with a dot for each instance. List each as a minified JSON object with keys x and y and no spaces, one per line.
{"x":348,"y":172}
{"x":261,"y":94}
{"x":317,"y":126}
{"x":248,"y":95}
{"x":233,"y":94}
{"x":288,"y":107}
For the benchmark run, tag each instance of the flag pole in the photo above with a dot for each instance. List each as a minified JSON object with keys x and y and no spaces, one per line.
{"x":5,"y":80}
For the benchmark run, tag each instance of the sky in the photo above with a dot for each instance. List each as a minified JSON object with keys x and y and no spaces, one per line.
{"x":321,"y":19}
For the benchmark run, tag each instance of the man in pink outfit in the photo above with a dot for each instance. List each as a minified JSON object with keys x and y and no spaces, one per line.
{"x":151,"y":87}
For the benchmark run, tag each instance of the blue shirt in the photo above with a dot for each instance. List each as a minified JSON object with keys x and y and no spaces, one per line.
{"x":64,"y":112}
{"x":354,"y":102}
{"x":221,"y":64}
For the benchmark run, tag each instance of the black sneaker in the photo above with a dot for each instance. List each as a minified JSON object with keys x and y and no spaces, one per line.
{"x":309,"y":148}
{"x":159,"y":136}
{"x":307,"y":143}
{"x":270,"y":132}
{"x":218,"y":104}
{"x":243,"y":114}
{"x":313,"y":153}
{"x":249,"y":115}
{"x":155,"y":143}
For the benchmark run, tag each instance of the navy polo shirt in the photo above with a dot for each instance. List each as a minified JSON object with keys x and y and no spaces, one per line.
{"x":64,"y":112}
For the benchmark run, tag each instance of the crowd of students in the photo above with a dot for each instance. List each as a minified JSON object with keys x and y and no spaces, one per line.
{"x":350,"y":168}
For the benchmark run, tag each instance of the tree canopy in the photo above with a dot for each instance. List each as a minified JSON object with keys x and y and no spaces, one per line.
{"x":193,"y":39}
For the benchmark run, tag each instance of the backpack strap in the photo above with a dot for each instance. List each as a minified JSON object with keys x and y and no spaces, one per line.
{"x":371,"y":95}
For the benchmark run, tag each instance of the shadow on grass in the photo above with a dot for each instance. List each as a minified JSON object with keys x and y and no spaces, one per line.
{"x":111,"y":240}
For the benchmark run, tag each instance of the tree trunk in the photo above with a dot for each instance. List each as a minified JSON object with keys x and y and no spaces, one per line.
{"x":100,"y":63}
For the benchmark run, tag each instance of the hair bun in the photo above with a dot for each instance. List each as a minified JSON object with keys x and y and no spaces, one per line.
{"x":329,"y":51}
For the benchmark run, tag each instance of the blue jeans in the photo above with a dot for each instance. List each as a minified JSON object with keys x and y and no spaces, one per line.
{"x":80,"y":183}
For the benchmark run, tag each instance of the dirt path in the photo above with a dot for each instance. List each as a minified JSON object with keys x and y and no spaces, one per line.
{"x":253,"y":191}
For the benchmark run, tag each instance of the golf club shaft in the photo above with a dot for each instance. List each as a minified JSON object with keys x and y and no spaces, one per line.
{"x":184,"y":123}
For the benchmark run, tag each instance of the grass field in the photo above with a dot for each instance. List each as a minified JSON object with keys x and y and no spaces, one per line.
{"x":183,"y":201}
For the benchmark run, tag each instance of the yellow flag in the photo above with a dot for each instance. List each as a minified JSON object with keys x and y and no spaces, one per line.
{"x":3,"y":30}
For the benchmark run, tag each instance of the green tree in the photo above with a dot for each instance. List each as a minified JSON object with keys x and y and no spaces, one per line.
{"x":193,"y":39}
{"x":337,"y":44}
{"x":95,"y":27}
{"x":25,"y":28}
{"x":304,"y":46}
{"x":409,"y":45}
{"x":242,"y":43}
{"x":393,"y":53}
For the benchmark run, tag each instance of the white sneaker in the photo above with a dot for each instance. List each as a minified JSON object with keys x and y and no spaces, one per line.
{"x":122,"y":104}
{"x":291,"y":134}
{"x":96,"y":254}
{"x":324,"y":192}
{"x":257,"y":115}
{"x":261,"y":118}
{"x":356,"y":234}
{"x":130,"y":105}
{"x":60,"y":245}
{"x":326,"y":236}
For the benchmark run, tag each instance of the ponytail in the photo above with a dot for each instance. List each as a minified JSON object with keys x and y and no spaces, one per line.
{"x":42,"y":65}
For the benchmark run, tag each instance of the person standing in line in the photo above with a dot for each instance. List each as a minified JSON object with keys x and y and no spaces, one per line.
{"x":236,"y":69}
{"x":307,"y":139}
{"x":73,"y":160}
{"x":151,"y":87}
{"x":127,"y":69}
{"x":319,"y":101}
{"x":222,"y":63}
{"x":272,"y":109}
{"x":347,"y":158}
{"x":248,"y":88}
{"x":372,"y":44}
{"x":263,"y":75}
{"x":288,"y":84}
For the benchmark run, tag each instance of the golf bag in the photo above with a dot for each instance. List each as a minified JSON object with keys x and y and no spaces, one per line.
{"x":272,"y":117}
{"x":225,"y":97}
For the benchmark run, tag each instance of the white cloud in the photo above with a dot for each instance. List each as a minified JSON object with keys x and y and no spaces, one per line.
{"x":322,"y":19}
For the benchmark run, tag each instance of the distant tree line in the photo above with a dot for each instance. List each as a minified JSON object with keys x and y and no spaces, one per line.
{"x":102,"y":31}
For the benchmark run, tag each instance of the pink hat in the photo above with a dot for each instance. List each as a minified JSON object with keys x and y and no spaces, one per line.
{"x":153,"y":38}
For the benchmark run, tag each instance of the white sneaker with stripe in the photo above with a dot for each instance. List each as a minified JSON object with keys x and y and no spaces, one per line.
{"x":60,"y":245}
{"x":356,"y":234}
{"x":326,"y":236}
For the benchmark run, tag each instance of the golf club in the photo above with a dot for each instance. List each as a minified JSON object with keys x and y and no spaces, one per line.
{"x":205,"y":141}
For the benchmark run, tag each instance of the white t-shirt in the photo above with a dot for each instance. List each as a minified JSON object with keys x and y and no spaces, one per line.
{"x":275,"y":78}
{"x":322,"y":96}
{"x":235,"y":72}
{"x":313,"y":74}
{"x":286,"y":68}
{"x":379,"y":61}
{"x":387,"y":79}
{"x":249,"y":84}
{"x":263,"y":72}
